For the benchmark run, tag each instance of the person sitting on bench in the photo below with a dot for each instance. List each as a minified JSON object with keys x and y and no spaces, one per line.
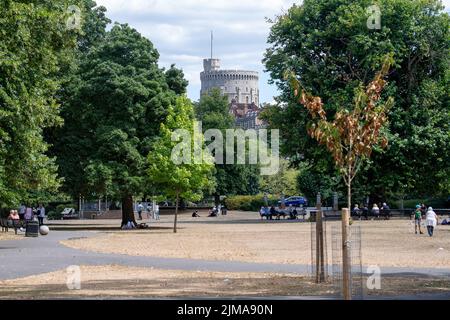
{"x":13,"y":215}
{"x":273,"y":212}
{"x":293,"y":214}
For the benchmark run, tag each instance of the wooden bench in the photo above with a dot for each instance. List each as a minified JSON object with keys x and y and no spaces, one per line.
{"x":6,"y":224}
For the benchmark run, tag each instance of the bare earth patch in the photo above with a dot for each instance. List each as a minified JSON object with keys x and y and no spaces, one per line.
{"x":132,"y":282}
{"x":10,"y":235}
{"x":243,"y":237}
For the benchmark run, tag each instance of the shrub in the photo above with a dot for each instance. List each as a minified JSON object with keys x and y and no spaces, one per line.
{"x":249,"y":203}
{"x":411,"y":203}
{"x":60,"y":208}
{"x":53,"y":215}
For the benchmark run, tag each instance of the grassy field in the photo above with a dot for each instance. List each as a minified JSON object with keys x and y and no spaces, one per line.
{"x":244,"y":237}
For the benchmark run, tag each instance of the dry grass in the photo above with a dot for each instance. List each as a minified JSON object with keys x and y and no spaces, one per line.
{"x":243,"y":237}
{"x":130,"y":282}
{"x":10,"y":235}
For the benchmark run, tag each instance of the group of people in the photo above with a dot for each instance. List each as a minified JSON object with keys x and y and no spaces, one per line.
{"x":152,"y":211}
{"x":418,"y":215}
{"x":430,"y":216}
{"x":272,"y":212}
{"x":28,"y":213}
{"x":217,"y":210}
{"x":377,"y":211}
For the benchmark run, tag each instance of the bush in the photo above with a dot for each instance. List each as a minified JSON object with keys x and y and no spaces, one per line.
{"x":411,"y":203}
{"x":60,"y":208}
{"x":249,"y":203}
{"x":53,"y":215}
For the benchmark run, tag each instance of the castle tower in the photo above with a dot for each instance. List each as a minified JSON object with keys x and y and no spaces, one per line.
{"x":240,"y":86}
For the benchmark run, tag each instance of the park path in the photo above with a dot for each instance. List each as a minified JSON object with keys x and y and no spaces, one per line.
{"x":33,"y":256}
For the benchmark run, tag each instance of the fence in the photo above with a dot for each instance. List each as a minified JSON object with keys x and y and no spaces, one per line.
{"x":319,"y":252}
{"x":356,"y":276}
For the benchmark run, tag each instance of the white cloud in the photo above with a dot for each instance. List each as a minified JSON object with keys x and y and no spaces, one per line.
{"x":180,"y":30}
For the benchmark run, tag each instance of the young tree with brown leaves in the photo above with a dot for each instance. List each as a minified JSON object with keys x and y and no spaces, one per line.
{"x":353,"y":134}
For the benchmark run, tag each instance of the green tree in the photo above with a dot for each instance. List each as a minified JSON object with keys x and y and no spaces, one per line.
{"x":112,"y":111}
{"x":176,"y":81}
{"x":34,"y":46}
{"x":329,"y":47}
{"x":174,"y":178}
{"x":283,"y":183}
{"x":213,"y":111}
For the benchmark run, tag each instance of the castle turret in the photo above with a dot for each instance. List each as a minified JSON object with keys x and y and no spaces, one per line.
{"x":211,"y":65}
{"x":240,"y":86}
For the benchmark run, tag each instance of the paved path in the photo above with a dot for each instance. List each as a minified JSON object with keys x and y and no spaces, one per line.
{"x":32,"y":256}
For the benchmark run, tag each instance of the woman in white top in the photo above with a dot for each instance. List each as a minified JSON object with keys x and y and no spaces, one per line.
{"x":432,"y":221}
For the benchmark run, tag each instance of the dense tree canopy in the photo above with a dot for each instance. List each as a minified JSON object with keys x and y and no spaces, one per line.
{"x":115,"y":103}
{"x":34,"y":46}
{"x":328,"y":45}
{"x":214,"y":112}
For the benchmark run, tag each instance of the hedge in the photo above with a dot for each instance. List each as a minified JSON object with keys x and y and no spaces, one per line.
{"x":249,"y":203}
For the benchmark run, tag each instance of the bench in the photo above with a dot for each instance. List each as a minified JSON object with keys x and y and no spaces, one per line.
{"x":6,"y":224}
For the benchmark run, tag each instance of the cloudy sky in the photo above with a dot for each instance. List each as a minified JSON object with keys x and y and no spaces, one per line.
{"x":180,"y":30}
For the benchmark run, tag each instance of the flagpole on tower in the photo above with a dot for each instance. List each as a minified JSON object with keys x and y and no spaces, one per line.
{"x":212,"y":39}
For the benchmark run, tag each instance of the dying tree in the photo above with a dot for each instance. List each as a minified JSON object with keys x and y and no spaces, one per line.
{"x":354,"y":133}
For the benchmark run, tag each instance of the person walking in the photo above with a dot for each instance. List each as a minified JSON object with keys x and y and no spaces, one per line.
{"x":28,"y":216}
{"x":41,"y":214}
{"x":22,"y":210}
{"x":157,"y":212}
{"x":418,"y":219}
{"x":140,"y":208}
{"x":432,"y":221}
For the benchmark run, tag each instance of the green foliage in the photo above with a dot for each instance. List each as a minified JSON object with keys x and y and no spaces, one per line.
{"x":429,"y":202}
{"x":249,"y":202}
{"x":175,"y":80}
{"x":53,"y":215}
{"x":187,"y":180}
{"x":60,"y":208}
{"x":311,"y":182}
{"x":329,"y":47}
{"x":213,"y":111}
{"x":34,"y":46}
{"x":113,"y":108}
{"x":284,"y":182}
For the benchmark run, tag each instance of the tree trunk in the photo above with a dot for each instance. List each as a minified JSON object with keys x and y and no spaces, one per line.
{"x":176,"y":214}
{"x":349,"y":195}
{"x":127,"y":210}
{"x":216,"y":199}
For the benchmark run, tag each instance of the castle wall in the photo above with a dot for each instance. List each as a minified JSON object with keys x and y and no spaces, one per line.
{"x":240,"y":85}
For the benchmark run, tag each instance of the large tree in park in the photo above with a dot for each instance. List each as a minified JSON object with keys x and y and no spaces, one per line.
{"x":173,"y":167}
{"x":112,"y":109}
{"x":213,"y":110}
{"x":35,"y":45}
{"x":333,"y":48}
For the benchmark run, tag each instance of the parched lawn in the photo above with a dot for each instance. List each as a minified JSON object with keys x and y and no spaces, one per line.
{"x":244,"y":237}
{"x":131,"y":282}
{"x":10,"y":235}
